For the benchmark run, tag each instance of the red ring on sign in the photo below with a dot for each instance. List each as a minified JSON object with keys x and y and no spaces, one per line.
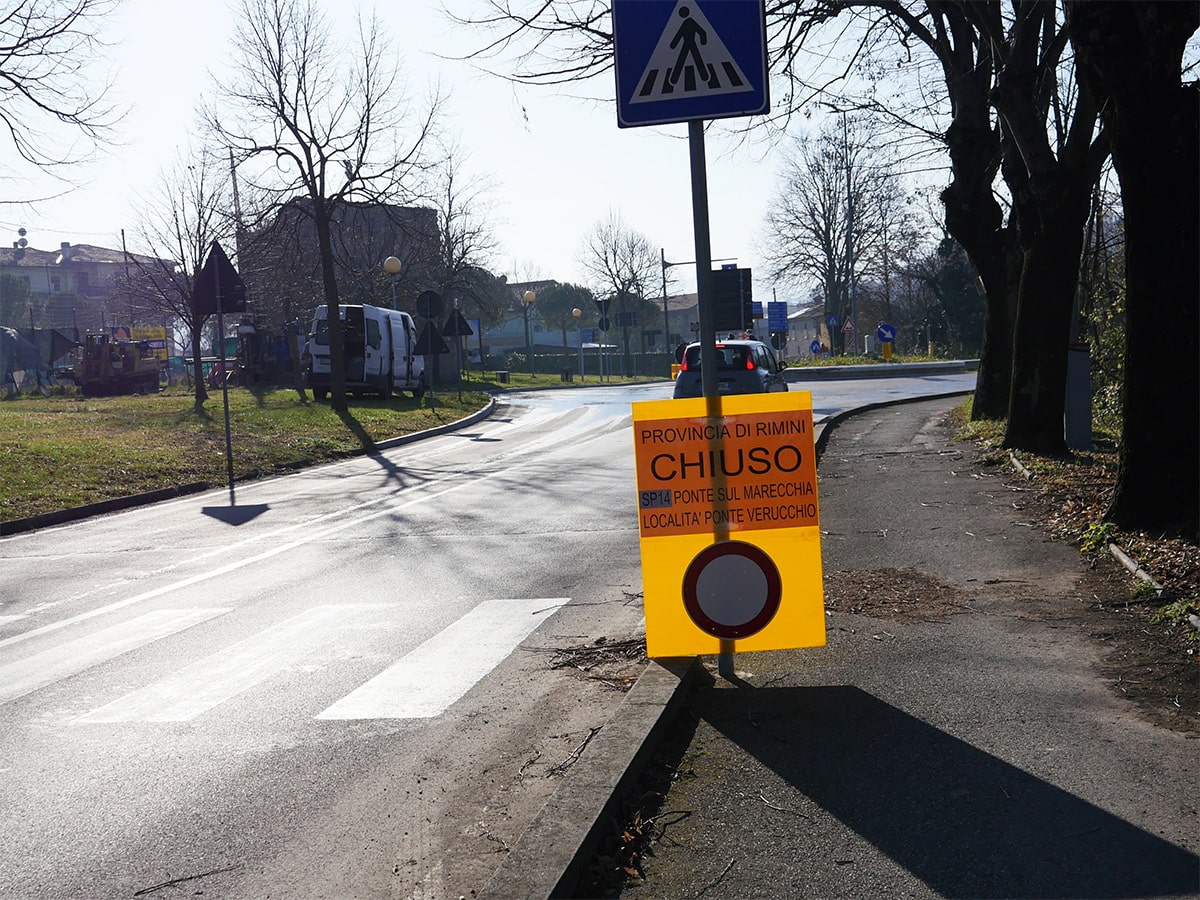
{"x":770,"y":606}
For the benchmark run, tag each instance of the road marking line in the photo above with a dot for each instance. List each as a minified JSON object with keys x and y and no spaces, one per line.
{"x":309,"y":538}
{"x":434,"y":675}
{"x":41,"y":669}
{"x":208,"y":682}
{"x":250,"y":560}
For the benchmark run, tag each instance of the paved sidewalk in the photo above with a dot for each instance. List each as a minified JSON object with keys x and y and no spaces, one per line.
{"x":954,"y":738}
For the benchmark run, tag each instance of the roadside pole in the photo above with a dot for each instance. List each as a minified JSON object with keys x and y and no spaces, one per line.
{"x":694,"y":62}
{"x":708,"y":345}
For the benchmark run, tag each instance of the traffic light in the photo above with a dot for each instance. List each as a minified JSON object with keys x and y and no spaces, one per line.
{"x":732,"y":300}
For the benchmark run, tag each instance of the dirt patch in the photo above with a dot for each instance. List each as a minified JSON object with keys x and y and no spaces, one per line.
{"x":1145,"y":663}
{"x":904,"y":595}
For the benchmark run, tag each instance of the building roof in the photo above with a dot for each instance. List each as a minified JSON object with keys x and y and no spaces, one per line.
{"x":816,"y":311}
{"x":66,"y":253}
{"x":679,"y":302}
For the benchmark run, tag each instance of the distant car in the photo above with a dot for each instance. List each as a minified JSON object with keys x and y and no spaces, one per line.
{"x":743,"y":367}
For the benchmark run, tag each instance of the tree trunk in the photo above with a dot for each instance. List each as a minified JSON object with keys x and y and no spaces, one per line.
{"x":1130,"y":59}
{"x":1041,"y":336}
{"x":294,"y":352}
{"x":201,"y":393}
{"x":973,"y":215}
{"x":337,"y":355}
{"x":974,"y":220}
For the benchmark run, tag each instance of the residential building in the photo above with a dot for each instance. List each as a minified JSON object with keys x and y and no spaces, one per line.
{"x":73,"y":287}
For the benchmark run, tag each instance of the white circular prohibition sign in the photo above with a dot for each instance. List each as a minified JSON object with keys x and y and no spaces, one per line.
{"x":732,"y":590}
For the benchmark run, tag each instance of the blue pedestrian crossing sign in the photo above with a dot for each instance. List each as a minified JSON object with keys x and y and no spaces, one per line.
{"x":679,"y":60}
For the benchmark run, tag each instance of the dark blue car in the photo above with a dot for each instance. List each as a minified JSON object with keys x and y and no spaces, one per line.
{"x":743,"y":367}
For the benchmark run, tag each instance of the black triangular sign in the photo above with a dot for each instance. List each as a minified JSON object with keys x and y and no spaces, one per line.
{"x":218,"y":273}
{"x":457,"y":326}
{"x":429,"y":342}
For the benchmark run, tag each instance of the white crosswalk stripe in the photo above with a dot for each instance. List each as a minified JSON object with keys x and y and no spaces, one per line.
{"x":45,"y":668}
{"x":440,"y":671}
{"x":422,"y":684}
{"x":213,"y":680}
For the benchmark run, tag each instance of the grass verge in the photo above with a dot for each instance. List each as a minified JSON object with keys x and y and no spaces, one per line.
{"x":64,"y":451}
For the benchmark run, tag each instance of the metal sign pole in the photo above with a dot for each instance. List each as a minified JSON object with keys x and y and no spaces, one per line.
{"x":225,"y":390}
{"x":708,"y":349}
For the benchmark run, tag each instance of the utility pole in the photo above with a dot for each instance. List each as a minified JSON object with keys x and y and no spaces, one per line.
{"x":850,"y":232}
{"x":666,"y":315}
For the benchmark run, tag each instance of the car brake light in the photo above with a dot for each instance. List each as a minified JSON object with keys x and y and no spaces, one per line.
{"x":749,"y":363}
{"x":683,"y":364}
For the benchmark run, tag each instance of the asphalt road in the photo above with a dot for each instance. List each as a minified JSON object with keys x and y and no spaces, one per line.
{"x":341,"y":684}
{"x":314,"y":692}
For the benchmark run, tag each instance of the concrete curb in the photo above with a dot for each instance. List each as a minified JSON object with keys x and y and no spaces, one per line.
{"x":797,"y":374}
{"x":827,"y":425}
{"x":478,"y":416}
{"x":550,"y":858}
{"x":116,"y":504}
{"x":1134,"y":567}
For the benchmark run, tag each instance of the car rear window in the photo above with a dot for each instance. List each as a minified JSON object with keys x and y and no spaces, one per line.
{"x":729,"y":359}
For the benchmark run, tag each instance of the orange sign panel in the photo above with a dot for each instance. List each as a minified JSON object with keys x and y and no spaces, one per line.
{"x":729,"y":523}
{"x":740,"y":472}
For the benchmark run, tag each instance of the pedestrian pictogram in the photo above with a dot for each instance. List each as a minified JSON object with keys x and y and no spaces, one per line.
{"x":690,"y":58}
{"x":680,"y":60}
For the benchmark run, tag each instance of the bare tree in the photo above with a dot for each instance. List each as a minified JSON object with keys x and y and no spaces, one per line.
{"x":623,"y":265}
{"x":467,"y":244}
{"x":48,"y":53}
{"x":332,"y":122}
{"x":830,"y":184}
{"x":806,"y":222}
{"x":184,"y":214}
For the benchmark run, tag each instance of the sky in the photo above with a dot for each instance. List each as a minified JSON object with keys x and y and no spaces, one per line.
{"x":559,"y":164}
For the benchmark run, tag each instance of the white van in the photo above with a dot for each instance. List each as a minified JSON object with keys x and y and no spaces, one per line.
{"x":377,"y":347}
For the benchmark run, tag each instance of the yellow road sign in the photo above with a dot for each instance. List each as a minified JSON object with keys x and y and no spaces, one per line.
{"x":729,"y":523}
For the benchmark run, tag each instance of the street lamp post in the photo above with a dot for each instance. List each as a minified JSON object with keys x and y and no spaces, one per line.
{"x":529,"y":297}
{"x":577,"y":312}
{"x":391,"y":265}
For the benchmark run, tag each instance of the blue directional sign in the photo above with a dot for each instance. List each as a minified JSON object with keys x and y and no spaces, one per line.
{"x":777,"y":320}
{"x":885,"y":333}
{"x":679,"y":60}
{"x":815,"y":347}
